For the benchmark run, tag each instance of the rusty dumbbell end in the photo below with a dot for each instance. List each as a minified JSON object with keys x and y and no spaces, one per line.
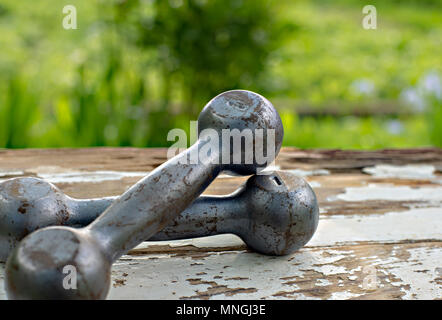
{"x":274,"y":214}
{"x":34,"y":270}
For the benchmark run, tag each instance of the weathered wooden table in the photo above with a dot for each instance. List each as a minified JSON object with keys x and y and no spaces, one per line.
{"x":379,"y":235}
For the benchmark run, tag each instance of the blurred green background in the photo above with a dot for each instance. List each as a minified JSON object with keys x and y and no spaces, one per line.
{"x":134,"y":69}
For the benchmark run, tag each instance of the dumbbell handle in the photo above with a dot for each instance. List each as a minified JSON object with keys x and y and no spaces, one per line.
{"x":85,"y":211}
{"x":152,"y":203}
{"x":207,"y":215}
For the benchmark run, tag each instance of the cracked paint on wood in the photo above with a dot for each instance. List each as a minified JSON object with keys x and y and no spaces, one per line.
{"x":402,"y":270}
{"x":379,"y":234}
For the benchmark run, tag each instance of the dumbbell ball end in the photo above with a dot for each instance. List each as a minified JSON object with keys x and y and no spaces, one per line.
{"x":57,"y":263}
{"x":243,"y":112}
{"x":29,"y":203}
{"x":283,"y":213}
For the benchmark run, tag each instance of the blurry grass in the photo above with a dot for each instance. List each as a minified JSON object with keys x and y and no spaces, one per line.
{"x":355,"y":133}
{"x":88,"y":87}
{"x":434,"y":122}
{"x":330,"y":50}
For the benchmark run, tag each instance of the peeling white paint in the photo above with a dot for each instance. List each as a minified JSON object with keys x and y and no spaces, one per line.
{"x":89,"y":176}
{"x":421,"y":284}
{"x":172,"y":276}
{"x":247,"y":275}
{"x":322,"y":283}
{"x":275,"y":283}
{"x":391,"y":193}
{"x":212,"y":270}
{"x":217,"y":241}
{"x":343,"y":295}
{"x":414,"y":224}
{"x":306,"y":173}
{"x":314,"y":184}
{"x":8,"y":174}
{"x":421,"y":172}
{"x":355,"y":270}
{"x":328,"y":270}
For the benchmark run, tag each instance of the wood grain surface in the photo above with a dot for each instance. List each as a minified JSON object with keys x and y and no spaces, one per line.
{"x":379,"y":235}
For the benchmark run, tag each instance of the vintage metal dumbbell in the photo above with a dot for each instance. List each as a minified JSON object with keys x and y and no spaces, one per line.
{"x":34,"y":270}
{"x":28,"y":204}
{"x":275,"y":214}
{"x":281,"y":203}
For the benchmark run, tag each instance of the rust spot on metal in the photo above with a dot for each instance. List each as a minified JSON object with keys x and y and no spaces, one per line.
{"x":23,"y":207}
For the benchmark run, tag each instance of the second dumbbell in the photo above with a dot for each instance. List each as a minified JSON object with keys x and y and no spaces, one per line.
{"x":274,"y":214}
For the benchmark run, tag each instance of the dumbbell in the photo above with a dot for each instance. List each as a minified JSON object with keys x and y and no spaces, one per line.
{"x":280,"y":202}
{"x":34,"y":270}
{"x":28,"y":204}
{"x":274,"y":214}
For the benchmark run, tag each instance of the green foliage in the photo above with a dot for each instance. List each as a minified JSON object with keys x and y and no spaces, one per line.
{"x":331,"y":52}
{"x":434,"y":121}
{"x":18,"y":114}
{"x":202,"y":47}
{"x":354,"y":133}
{"x":137,"y":68}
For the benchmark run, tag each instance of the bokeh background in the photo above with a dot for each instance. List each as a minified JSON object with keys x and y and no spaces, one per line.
{"x":134,"y":69}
